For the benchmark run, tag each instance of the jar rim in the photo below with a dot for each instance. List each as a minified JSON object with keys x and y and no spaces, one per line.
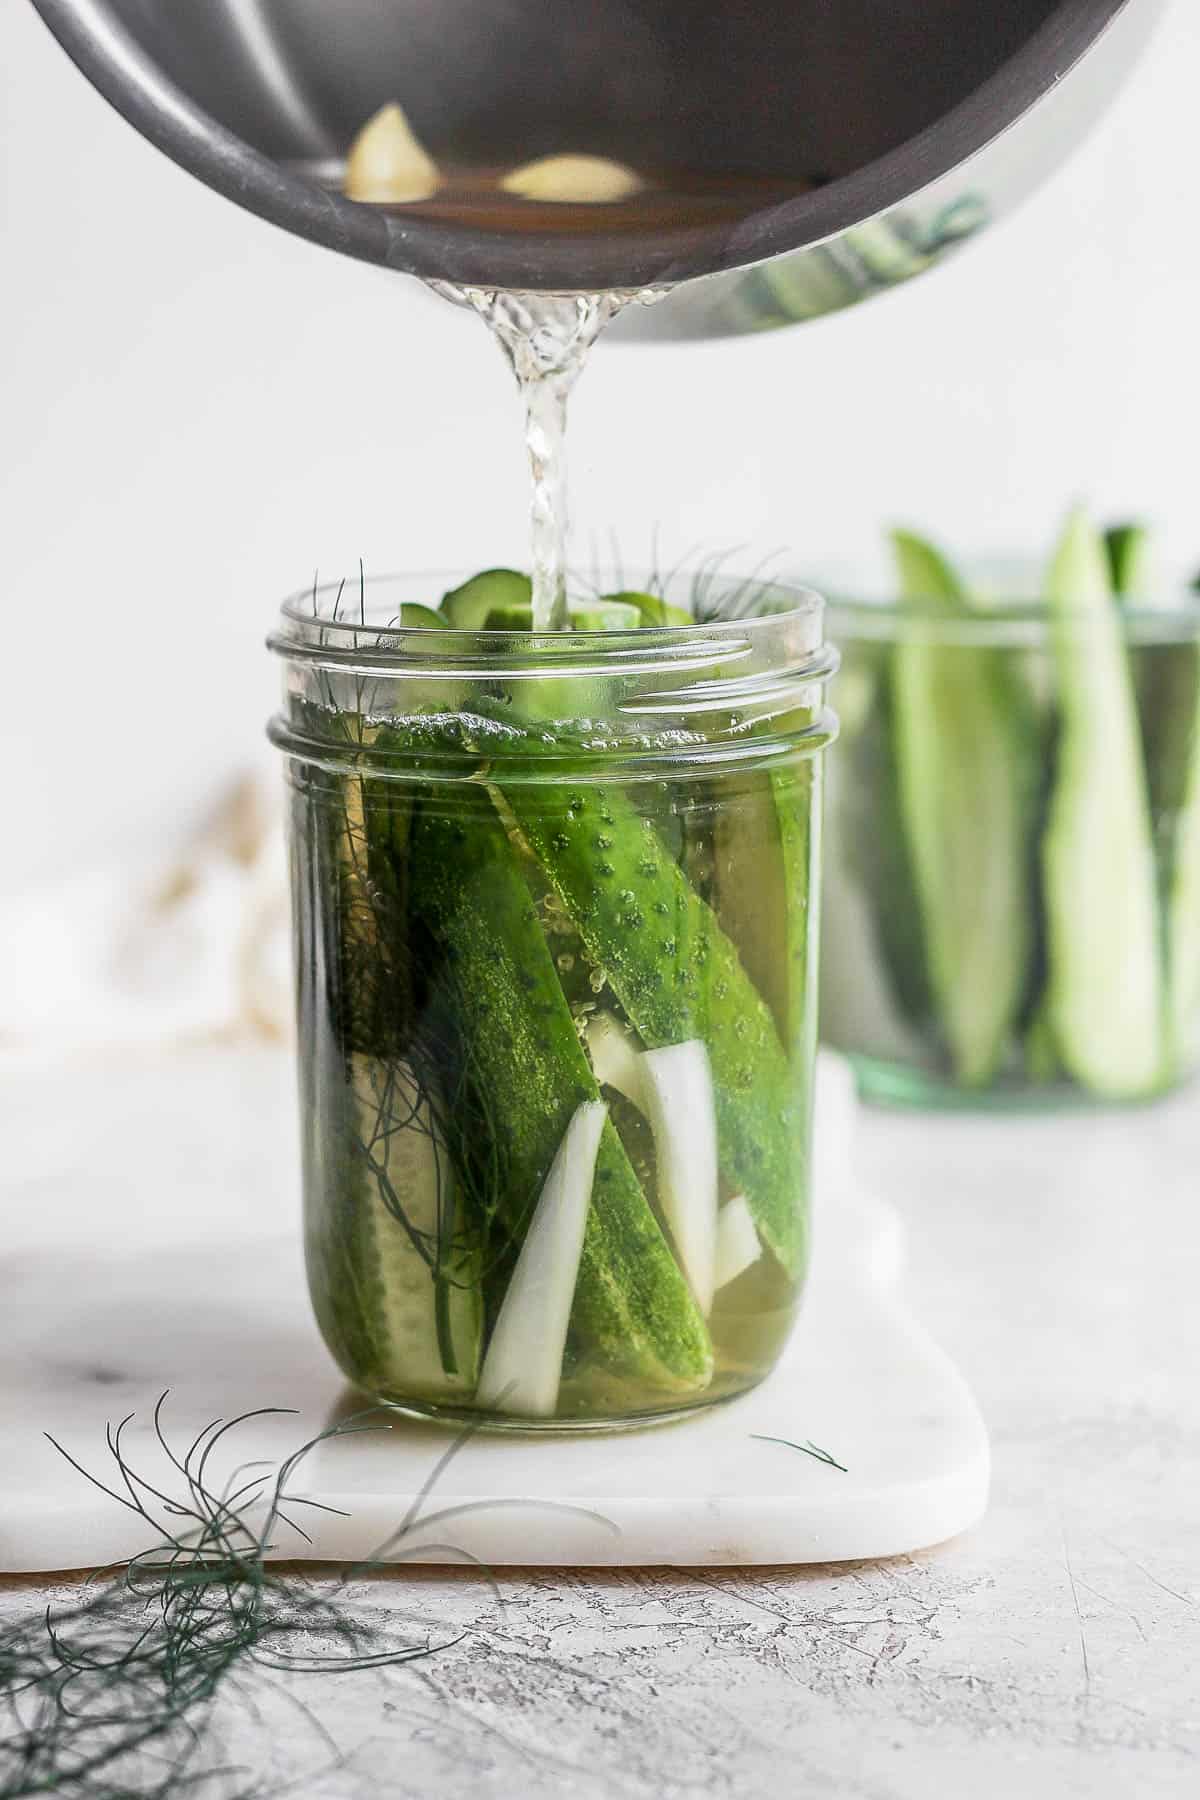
{"x":738,"y":689}
{"x":334,"y":625}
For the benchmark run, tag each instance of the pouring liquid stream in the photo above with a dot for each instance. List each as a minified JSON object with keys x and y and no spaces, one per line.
{"x":546,"y":339}
{"x":545,"y":336}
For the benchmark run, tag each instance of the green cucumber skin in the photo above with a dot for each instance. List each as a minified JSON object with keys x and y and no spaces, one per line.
{"x":1098,"y":855}
{"x":600,"y":615}
{"x":799,"y":804}
{"x":406,"y":1292}
{"x":356,"y":1002}
{"x":1183,"y":908}
{"x":1167,"y":689}
{"x":1166,"y":680}
{"x":873,"y":843}
{"x":468,"y":605}
{"x":632,"y":1307}
{"x":1167,"y":685}
{"x":768,"y":895}
{"x":337,"y":1252}
{"x":925,"y":575}
{"x":966,"y":759}
{"x":345,"y":1217}
{"x":652,"y":609}
{"x":966,"y":817}
{"x":750,"y":893}
{"x":764,"y":833}
{"x":677,"y":976}
{"x":1127,"y":550}
{"x":1168,"y":696}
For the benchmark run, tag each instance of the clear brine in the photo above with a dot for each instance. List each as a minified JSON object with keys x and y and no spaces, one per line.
{"x":556,"y":1030}
{"x":545,"y":339}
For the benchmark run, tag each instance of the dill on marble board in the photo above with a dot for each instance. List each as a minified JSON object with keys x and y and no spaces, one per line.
{"x":110,"y":1697}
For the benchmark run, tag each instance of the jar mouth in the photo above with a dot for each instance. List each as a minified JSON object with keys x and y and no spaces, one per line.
{"x":743,"y":682}
{"x":999,"y":623}
{"x":740,"y":620}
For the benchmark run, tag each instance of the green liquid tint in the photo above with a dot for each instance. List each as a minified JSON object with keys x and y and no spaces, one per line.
{"x":556,"y":1009}
{"x":447,"y":990}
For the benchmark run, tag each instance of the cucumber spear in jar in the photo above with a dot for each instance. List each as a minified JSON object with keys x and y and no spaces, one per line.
{"x":395,"y":1264}
{"x":632,"y":1310}
{"x":515,"y":1211}
{"x":677,"y":977}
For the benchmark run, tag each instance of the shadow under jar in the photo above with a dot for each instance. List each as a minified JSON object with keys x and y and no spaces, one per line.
{"x":555,"y":923}
{"x":1012,"y":869}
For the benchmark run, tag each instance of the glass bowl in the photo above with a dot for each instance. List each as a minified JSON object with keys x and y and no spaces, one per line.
{"x":1012,"y":855}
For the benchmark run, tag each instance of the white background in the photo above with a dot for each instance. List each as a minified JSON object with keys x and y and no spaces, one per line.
{"x":196,"y":411}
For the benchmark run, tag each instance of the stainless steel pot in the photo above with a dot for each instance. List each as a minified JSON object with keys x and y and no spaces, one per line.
{"x":906,"y":125}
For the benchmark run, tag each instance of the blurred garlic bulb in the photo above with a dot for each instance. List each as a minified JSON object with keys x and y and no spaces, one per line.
{"x":387,"y":165}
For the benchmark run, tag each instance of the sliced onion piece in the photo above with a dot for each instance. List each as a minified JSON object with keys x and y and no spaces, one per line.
{"x":680,"y":1107}
{"x":523,"y":1366}
{"x":673,"y":1088}
{"x":738,"y":1245}
{"x":617,"y":1061}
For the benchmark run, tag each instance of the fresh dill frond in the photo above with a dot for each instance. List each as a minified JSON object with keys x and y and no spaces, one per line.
{"x":112,"y":1696}
{"x":713,"y":596}
{"x":807,"y":1448}
{"x":714,"y":600}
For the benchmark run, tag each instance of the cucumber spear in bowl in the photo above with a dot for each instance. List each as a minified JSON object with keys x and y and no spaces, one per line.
{"x":1104,"y":1000}
{"x":1025,"y":864}
{"x":965,"y":749}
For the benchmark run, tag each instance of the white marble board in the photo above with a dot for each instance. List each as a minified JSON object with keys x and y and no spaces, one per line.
{"x":150,"y":1241}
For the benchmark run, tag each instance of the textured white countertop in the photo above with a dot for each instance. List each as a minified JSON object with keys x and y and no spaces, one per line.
{"x":1055,"y":1651}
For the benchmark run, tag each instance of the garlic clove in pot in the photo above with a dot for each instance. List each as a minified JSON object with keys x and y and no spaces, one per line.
{"x":577,"y":179}
{"x":387,"y":165}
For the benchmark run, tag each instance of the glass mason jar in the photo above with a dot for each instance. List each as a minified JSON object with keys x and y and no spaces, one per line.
{"x":555,"y":924}
{"x":1012,"y":867}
